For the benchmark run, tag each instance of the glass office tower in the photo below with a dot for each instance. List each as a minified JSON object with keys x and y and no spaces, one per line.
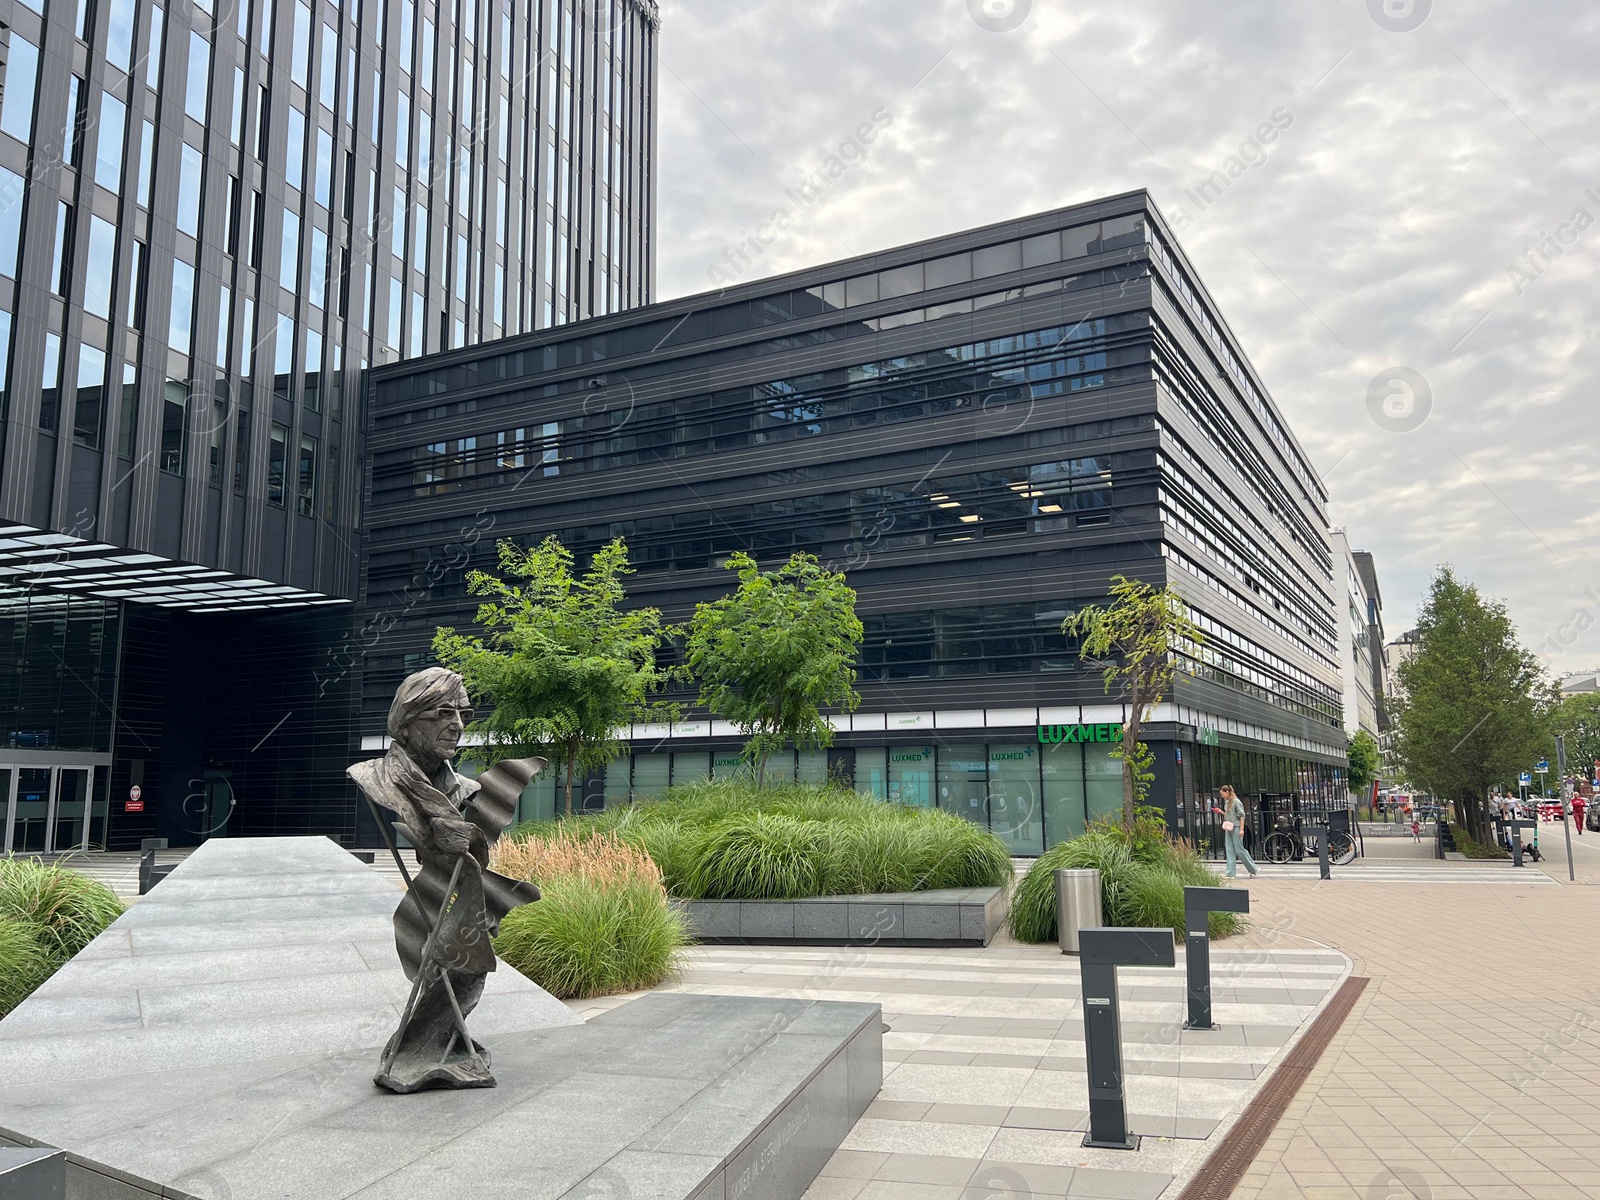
{"x":214,"y":215}
{"x":981,"y":430}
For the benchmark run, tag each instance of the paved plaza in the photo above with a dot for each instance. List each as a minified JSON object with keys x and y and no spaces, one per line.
{"x":1469,"y":1069}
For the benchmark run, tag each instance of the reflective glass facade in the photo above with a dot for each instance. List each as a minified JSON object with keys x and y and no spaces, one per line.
{"x":981,"y":430}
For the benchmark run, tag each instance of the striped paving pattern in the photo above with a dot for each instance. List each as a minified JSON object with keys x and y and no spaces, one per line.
{"x":1448,"y":871}
{"x":985,"y":1090}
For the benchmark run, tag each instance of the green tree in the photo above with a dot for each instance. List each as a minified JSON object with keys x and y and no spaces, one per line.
{"x":770,"y":654}
{"x":563,"y":664}
{"x":1362,"y":760}
{"x":1474,"y":705}
{"x":1136,"y":638}
{"x":1577,"y":718}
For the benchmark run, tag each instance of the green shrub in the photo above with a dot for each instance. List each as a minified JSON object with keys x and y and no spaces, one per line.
{"x":602,"y":924}
{"x":1142,"y":878}
{"x":725,"y":838}
{"x":24,"y":963}
{"x":65,"y":910}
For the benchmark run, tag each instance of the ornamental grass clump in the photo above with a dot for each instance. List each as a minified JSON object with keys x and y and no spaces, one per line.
{"x":47,"y":914}
{"x":724,"y":839}
{"x":24,"y":963}
{"x":602,"y":924}
{"x":65,"y":910}
{"x":1142,"y":877}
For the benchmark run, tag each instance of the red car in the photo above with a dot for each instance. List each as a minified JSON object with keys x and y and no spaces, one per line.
{"x":1549,"y":810}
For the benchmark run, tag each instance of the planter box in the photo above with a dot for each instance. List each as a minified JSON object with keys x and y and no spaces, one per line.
{"x":947,"y":917}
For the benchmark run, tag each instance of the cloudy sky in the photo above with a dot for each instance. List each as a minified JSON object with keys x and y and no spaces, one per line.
{"x":1428,"y":149}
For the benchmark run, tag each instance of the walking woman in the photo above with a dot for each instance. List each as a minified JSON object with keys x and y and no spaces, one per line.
{"x":1233,"y":832}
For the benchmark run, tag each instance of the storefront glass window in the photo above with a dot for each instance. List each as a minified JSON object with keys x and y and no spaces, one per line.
{"x":1063,"y":791}
{"x":911,"y":776}
{"x":688,"y":765}
{"x":872,"y":771}
{"x":963,"y":782}
{"x":1102,"y":782}
{"x":1015,"y":813}
{"x":812,"y":766}
{"x":651,"y":774}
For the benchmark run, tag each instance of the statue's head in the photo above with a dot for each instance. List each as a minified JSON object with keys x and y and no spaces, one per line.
{"x":429,"y":713}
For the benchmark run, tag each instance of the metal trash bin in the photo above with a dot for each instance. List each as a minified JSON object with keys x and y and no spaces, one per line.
{"x":1077,"y":905}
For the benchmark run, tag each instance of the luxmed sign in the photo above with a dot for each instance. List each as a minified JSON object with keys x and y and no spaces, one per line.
{"x":1052,"y":734}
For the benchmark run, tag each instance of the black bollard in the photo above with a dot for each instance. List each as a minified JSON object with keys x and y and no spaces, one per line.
{"x":1100,"y":953}
{"x":1320,"y":832}
{"x":1198,"y":905}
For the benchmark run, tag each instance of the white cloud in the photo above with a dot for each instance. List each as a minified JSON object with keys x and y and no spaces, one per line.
{"x":1377,"y":231}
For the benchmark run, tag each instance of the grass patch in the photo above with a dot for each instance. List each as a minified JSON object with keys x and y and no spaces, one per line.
{"x":47,"y":914}
{"x":602,"y":924}
{"x":719,"y":839}
{"x":1142,"y":877}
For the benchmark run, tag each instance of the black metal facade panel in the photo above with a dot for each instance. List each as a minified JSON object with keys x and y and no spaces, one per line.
{"x":1085,"y":409}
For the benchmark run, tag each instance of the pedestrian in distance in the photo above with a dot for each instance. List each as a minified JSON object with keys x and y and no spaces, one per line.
{"x":1578,"y":807}
{"x":1416,"y":830}
{"x":1233,"y":815}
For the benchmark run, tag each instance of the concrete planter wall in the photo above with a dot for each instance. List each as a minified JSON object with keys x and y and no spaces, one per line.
{"x":947,"y":917}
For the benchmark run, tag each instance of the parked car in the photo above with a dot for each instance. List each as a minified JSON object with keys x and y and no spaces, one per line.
{"x":1549,"y":810}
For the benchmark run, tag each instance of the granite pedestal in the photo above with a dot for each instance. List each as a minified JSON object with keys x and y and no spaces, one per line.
{"x":219,"y":1041}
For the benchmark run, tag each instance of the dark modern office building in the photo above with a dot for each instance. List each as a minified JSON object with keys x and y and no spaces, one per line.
{"x":981,"y":430}
{"x":213,"y":218}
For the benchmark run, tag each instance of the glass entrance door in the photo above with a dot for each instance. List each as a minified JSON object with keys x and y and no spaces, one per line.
{"x":47,"y":810}
{"x":31,"y":810}
{"x":69,"y":810}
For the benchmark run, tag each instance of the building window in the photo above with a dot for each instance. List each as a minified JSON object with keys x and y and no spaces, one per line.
{"x":294,"y":162}
{"x":277,"y":453}
{"x":330,"y":489}
{"x":396,"y":294}
{"x":417,"y":331}
{"x":241,"y":452}
{"x":289,"y":263}
{"x":108,"y":148}
{"x":189,"y":191}
{"x":179,"y":328}
{"x":136,"y":289}
{"x":50,"y":381}
{"x":97,"y":267}
{"x":88,"y":417}
{"x":174,"y":408}
{"x":317,"y":292}
{"x":230,"y":233}
{"x":12,"y":189}
{"x":247,"y":339}
{"x":219,"y":430}
{"x":419,"y":252}
{"x":224,"y":325}
{"x":61,"y":262}
{"x":402,"y":131}
{"x":22,"y":79}
{"x":258,"y":220}
{"x":324,"y":169}
{"x":283,"y":358}
{"x":263,"y":113}
{"x":152,"y":62}
{"x":306,"y":486}
{"x":77,"y":119}
{"x":119,"y":35}
{"x":397,"y":235}
{"x":199,"y":90}
{"x":313,"y":371}
{"x":300,"y":65}
{"x":128,"y":426}
{"x":236,"y":129}
{"x":147,"y":160}
{"x":330,"y":67}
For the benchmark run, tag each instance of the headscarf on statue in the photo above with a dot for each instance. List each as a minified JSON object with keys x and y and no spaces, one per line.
{"x":447,"y":818}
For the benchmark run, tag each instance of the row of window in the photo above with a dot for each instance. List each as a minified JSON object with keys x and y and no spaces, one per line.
{"x":1015,"y":372}
{"x":947,"y":271}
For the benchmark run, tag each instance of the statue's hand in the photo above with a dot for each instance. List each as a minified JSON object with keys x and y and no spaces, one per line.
{"x":453,"y":837}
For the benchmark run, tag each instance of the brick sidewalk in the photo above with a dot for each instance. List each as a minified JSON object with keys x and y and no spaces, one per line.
{"x":1470,"y":1070}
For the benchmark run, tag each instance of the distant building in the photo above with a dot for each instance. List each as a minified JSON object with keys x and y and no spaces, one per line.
{"x":1368,"y":571}
{"x":1360,"y":653}
{"x":1583,"y":681}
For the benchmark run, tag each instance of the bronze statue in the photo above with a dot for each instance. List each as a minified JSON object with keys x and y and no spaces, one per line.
{"x":455,"y":903}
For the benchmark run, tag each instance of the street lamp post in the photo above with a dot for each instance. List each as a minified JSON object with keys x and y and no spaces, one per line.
{"x":1566,"y":798}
